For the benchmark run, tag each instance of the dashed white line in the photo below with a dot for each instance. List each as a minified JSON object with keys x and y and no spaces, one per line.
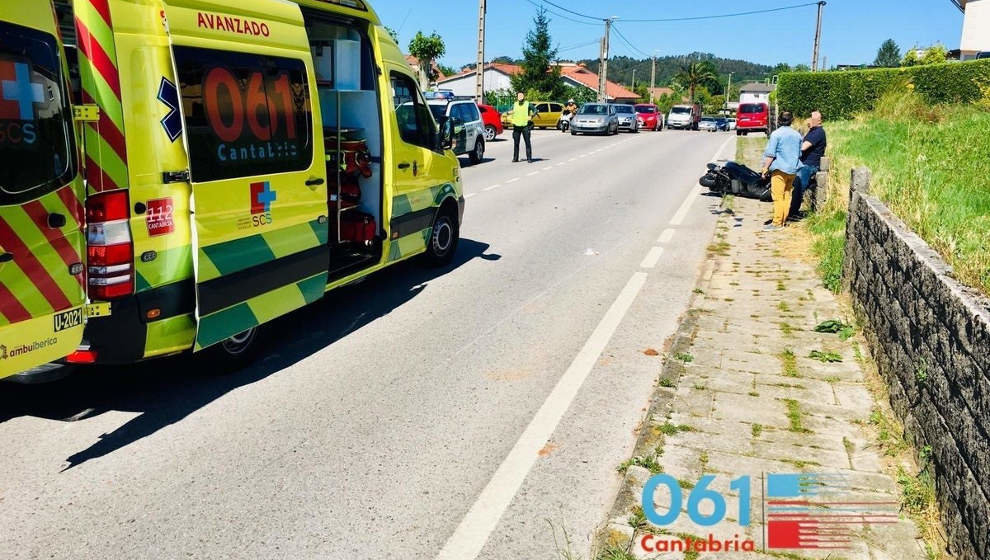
{"x":652,"y":258}
{"x":548,"y":168}
{"x":477,"y":526}
{"x":572,"y":159}
{"x":530,"y":174}
{"x":493,"y":187}
{"x":666,"y":236}
{"x":469,"y":195}
{"x":678,"y":218}
{"x":512,"y":180}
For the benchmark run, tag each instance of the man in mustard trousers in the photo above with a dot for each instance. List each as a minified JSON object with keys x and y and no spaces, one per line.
{"x":781,"y":160}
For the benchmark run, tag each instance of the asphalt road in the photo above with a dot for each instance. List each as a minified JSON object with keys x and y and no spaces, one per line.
{"x":423,"y":410}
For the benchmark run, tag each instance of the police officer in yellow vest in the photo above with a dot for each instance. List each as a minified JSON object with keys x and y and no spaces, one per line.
{"x":522,"y":121}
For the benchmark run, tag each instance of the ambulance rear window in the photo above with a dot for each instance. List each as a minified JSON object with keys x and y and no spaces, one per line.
{"x":245,"y":114}
{"x":36,"y":144}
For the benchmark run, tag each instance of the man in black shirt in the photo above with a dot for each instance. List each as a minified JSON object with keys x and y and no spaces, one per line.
{"x":812,"y":151}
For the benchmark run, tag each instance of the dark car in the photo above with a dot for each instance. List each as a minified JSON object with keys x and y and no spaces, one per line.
{"x":722,"y":123}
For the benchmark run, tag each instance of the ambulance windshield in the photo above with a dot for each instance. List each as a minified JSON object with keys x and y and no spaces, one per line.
{"x":35,"y":119}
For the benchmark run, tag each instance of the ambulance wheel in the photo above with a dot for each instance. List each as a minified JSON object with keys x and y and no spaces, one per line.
{"x":232,"y":353}
{"x":478,"y":153}
{"x":444,"y":236}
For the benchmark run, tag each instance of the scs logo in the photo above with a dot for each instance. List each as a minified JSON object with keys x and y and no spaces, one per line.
{"x":68,"y":319}
{"x":262,"y":197}
{"x":18,"y":96}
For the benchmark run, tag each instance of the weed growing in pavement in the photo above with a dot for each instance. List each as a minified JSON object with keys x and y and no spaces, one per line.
{"x":720,"y":249}
{"x":613,"y":552}
{"x":918,"y":499}
{"x":684,"y":357}
{"x":794,"y":417}
{"x":786,"y":328}
{"x":889,"y":433}
{"x":703,"y":461}
{"x":648,"y":463}
{"x":666,"y":382}
{"x":830,"y":326}
{"x":753,"y":394}
{"x":670,"y":429}
{"x":637,"y":519}
{"x":699,"y":387}
{"x":832,"y":379}
{"x":699,"y":291}
{"x":756,"y":430}
{"x":788,"y":361}
{"x":686,"y":484}
{"x":826,"y":356}
{"x":850,"y":447}
{"x":783,"y":307}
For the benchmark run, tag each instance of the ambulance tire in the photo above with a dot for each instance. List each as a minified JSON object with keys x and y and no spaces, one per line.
{"x":444,"y":235}
{"x":233,"y":353}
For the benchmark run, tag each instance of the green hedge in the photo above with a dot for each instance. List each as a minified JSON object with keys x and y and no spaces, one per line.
{"x":840,"y":94}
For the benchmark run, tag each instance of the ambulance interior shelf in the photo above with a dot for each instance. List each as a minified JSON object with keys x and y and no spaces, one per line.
{"x":347,"y":87}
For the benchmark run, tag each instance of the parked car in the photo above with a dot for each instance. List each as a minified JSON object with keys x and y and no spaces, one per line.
{"x":595,"y":118}
{"x":446,"y":94}
{"x":984,"y":54}
{"x":732,"y":124}
{"x":547,"y":115}
{"x":492,"y":120}
{"x":708,"y":124}
{"x":722,"y":122}
{"x":649,"y":116}
{"x":627,"y":117}
{"x":686,"y":117}
{"x":469,"y":129}
{"x":752,"y":117}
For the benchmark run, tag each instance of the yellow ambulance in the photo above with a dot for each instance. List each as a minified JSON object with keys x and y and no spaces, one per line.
{"x":42,"y":249}
{"x":249,"y":155}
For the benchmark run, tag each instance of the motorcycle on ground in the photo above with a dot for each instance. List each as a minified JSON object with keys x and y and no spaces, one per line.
{"x":736,"y":179}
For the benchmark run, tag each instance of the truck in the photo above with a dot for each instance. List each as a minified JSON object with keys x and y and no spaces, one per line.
{"x":685,"y":116}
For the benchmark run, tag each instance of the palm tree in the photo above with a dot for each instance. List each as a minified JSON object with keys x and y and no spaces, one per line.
{"x":694,"y":74}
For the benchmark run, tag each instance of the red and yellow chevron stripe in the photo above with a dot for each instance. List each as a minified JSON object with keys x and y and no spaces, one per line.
{"x":40,"y":254}
{"x":106,"y":152}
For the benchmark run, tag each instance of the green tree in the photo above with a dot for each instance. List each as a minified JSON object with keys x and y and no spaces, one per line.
{"x":446,"y":70}
{"x":935,"y":54}
{"x":426,"y":49}
{"x":888,"y":55}
{"x":803,"y":68}
{"x":581,"y":94}
{"x":911,"y":58}
{"x":643,"y":91}
{"x":715,"y":105}
{"x":393,"y":33}
{"x":694,"y":75}
{"x":538,"y":54}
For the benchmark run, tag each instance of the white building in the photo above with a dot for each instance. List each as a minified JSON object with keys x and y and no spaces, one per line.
{"x":976,"y":28}
{"x":755,"y":92}
{"x":496,"y":77}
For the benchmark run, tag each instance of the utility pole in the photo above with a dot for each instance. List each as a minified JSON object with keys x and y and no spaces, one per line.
{"x":653,"y":78}
{"x":479,"y":84}
{"x":818,"y":37}
{"x":634,"y":80}
{"x":603,"y":66}
{"x":728,"y":91}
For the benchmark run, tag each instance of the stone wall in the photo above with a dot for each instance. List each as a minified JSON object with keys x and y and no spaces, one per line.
{"x":931,"y":340}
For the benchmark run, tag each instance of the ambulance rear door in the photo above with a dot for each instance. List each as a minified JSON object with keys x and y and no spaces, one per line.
{"x":41,"y":192}
{"x":258,"y":173}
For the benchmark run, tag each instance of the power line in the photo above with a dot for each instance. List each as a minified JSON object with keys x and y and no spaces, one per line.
{"x":722,"y":16}
{"x":689,"y":18}
{"x":573,"y":47}
{"x":631,"y":46}
{"x":562,"y":16}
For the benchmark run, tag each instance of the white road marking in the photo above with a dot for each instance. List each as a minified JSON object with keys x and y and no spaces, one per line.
{"x":470,"y":195}
{"x":572,"y":159}
{"x":561,"y":163}
{"x":483,"y":517}
{"x":512,"y":180}
{"x":666,"y":236}
{"x":532,"y":173}
{"x":678,"y":218}
{"x":493,"y":187}
{"x":548,"y":168}
{"x":652,"y":258}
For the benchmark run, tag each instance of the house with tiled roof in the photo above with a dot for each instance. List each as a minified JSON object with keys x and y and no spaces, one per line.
{"x":578,"y":75}
{"x":413,"y":63}
{"x":498,"y":76}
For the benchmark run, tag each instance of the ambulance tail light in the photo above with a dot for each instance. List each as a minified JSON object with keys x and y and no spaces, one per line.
{"x":110,"y":248}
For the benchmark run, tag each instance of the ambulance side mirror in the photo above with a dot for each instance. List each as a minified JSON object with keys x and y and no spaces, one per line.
{"x":445,"y":140}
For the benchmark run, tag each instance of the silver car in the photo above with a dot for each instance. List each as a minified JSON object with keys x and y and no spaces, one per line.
{"x":595,"y":118}
{"x":709,"y":124}
{"x":627,"y":118}
{"x":469,"y":130}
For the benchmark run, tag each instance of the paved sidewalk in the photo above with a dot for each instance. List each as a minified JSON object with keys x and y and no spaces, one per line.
{"x":741,"y":396}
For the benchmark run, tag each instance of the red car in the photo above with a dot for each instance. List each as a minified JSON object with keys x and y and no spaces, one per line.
{"x":492,"y":120}
{"x":649,"y":116}
{"x":752,"y":117}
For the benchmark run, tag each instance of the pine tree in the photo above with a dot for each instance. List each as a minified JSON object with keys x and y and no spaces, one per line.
{"x":889,"y":55}
{"x":538,"y":55}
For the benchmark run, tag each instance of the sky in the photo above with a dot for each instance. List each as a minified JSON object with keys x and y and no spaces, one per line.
{"x":852,"y":30}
